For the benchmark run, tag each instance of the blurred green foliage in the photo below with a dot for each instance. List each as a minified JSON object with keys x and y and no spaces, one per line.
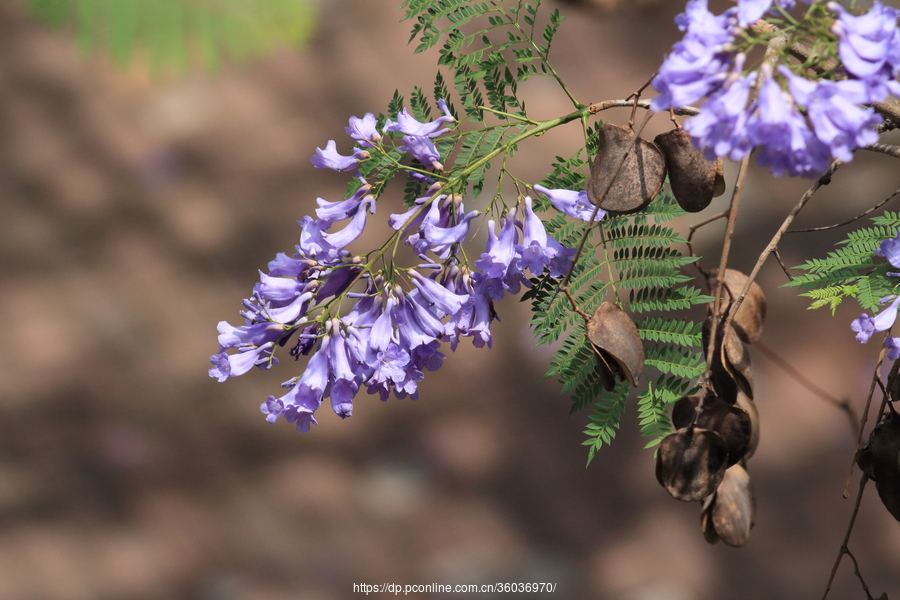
{"x":174,"y":35}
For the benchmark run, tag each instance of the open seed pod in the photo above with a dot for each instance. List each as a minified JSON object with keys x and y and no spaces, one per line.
{"x":748,"y":321}
{"x":749,"y":406}
{"x":729,"y":421}
{"x":695,"y":181}
{"x":605,"y":368}
{"x":736,"y":360}
{"x":616,"y":337}
{"x":730,"y":513}
{"x":691,"y":463}
{"x":730,"y":369}
{"x":880,"y":460}
{"x":893,"y":385}
{"x":638,"y":181}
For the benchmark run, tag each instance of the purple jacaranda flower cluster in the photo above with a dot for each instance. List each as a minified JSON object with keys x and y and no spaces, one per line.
{"x":399,"y":318}
{"x":699,"y":63}
{"x":417,"y":140}
{"x":799,"y":128}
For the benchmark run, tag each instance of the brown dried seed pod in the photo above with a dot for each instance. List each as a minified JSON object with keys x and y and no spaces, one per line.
{"x":893,"y":385}
{"x":749,"y":406}
{"x":736,"y":360}
{"x":604,"y":369}
{"x":695,"y":181}
{"x":706,"y":522}
{"x":729,"y":421}
{"x":613,"y":332}
{"x":691,"y":463}
{"x":880,"y":460}
{"x":748,"y":321}
{"x":638,"y":181}
{"x":730,"y":369}
{"x":731,"y":512}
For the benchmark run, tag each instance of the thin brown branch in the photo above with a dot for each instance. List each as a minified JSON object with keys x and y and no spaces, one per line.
{"x":876,"y":379}
{"x":843,"y":549}
{"x":693,"y":228}
{"x":842,"y":403}
{"x":773,"y":243}
{"x":723,"y":261}
{"x":687,"y":111}
{"x":774,"y":48}
{"x":858,"y":574}
{"x":848,"y":221}
{"x":584,"y":315}
{"x":781,"y":263}
{"x":889,"y":149}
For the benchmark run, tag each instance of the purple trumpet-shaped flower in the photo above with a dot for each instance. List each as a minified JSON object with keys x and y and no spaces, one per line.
{"x":699,"y":63}
{"x":407,"y":125}
{"x":750,"y":11}
{"x":330,"y":212}
{"x":500,"y":264}
{"x":388,"y":368}
{"x":283,"y":300}
{"x":364,"y":130}
{"x":833,"y":108}
{"x":338,"y":279}
{"x":538,"y":250}
{"x":423,"y":150}
{"x":329,"y":158}
{"x":893,"y":345}
{"x":285,"y":266}
{"x":234,"y":365}
{"x":501,"y":249}
{"x":343,"y":385}
{"x":889,"y":248}
{"x":407,"y":220}
{"x":312,"y":243}
{"x":445,"y":301}
{"x":480,"y":330}
{"x":869,"y":45}
{"x":786,"y":143}
{"x":255,"y":334}
{"x":340,"y":239}
{"x":865,"y":325}
{"x":721,"y":127}
{"x":306,"y":341}
{"x":572,"y":203}
{"x":474,"y":318}
{"x":437,"y":233}
{"x":305,"y":397}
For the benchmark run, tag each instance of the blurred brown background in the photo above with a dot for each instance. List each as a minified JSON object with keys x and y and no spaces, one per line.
{"x":133,"y":216}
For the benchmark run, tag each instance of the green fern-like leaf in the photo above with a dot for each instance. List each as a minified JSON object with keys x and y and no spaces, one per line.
{"x":604,"y":419}
{"x":851,"y":270}
{"x":889,"y":219}
{"x":831,"y":296}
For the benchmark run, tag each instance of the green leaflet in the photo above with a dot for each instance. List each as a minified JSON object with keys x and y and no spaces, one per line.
{"x":605,"y":418}
{"x":852,"y":270}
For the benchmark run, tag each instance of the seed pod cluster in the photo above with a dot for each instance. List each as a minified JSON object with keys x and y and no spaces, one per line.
{"x":627,"y":184}
{"x":617,"y":345}
{"x":717,"y":431}
{"x":880,"y":457}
